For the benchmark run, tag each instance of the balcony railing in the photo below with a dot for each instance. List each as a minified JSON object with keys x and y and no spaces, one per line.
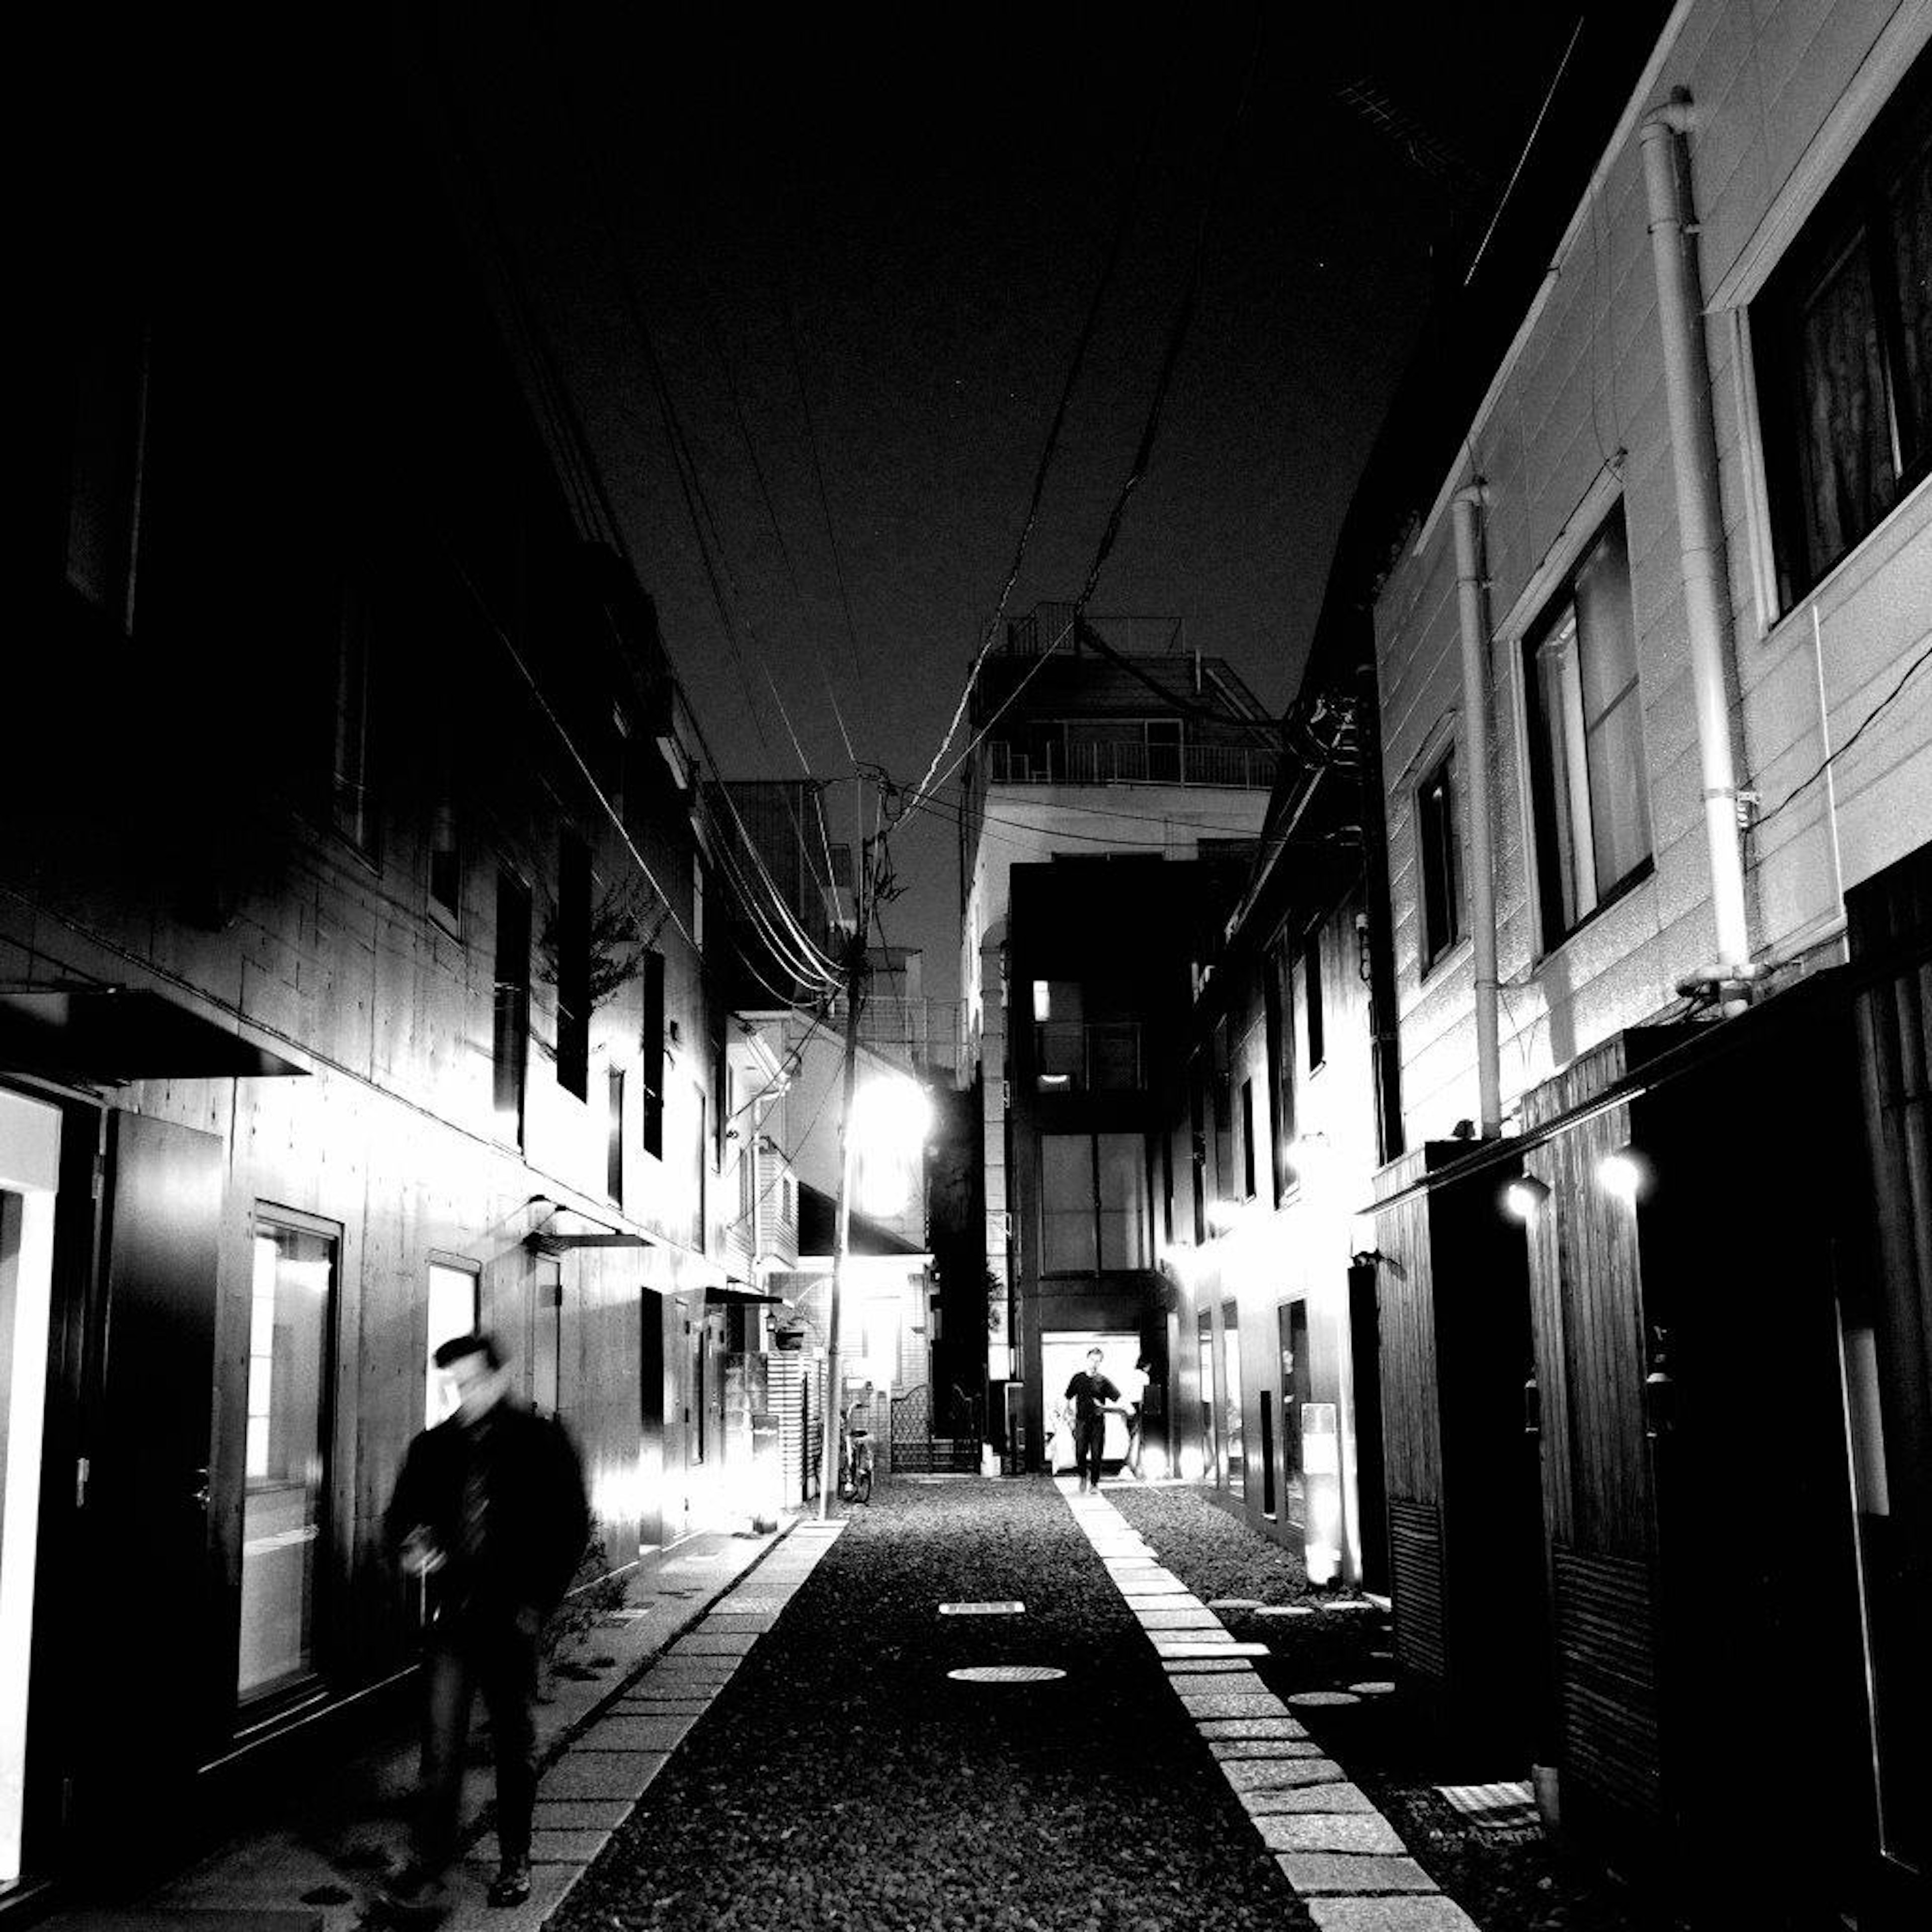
{"x":1240,"y":767}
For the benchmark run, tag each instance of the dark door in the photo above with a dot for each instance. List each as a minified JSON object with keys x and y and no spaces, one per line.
{"x":1292,"y":1318}
{"x":1371,"y":1481}
{"x":147,"y":1511}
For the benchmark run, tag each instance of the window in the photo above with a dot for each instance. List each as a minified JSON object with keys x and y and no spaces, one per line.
{"x":1311,"y":998}
{"x":1843,"y":341}
{"x":1439,"y":861}
{"x":1084,"y":1038}
{"x":573,"y":965}
{"x":1224,"y":1117}
{"x":1234,"y":1454}
{"x":1277,"y":998}
{"x":351,"y":790}
{"x":1586,"y":740}
{"x":1247,"y":1140}
{"x":547,"y":1339}
{"x":285,"y":1497}
{"x":654,"y":1054}
{"x":1203,"y":1352}
{"x":613,"y":1134}
{"x":510,"y":1046}
{"x":1197,"y":1150}
{"x":1094,"y":1207}
{"x":701,"y":1163}
{"x":454,"y":1308}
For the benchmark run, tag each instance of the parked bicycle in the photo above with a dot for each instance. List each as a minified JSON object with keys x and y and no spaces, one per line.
{"x":855,"y":1460}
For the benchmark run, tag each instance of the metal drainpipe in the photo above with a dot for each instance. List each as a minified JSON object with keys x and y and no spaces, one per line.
{"x":1473,"y":610}
{"x":1694,"y":455}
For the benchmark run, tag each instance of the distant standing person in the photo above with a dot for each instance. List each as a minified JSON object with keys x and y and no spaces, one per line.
{"x":489,"y":1508}
{"x":1136,"y":1379}
{"x":1090,"y":1392}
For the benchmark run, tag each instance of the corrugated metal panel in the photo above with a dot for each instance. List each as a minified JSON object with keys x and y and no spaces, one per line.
{"x":1606,"y":1641}
{"x":1415,"y":1547}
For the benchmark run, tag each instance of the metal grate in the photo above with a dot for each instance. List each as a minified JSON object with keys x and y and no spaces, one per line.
{"x":1506,"y":1810}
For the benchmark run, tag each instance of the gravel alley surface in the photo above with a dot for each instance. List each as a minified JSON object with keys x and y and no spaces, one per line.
{"x":841,"y":1779}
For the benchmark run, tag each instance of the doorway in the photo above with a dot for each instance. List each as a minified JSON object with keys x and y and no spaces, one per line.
{"x":29,"y":1168}
{"x":1063,"y":1355}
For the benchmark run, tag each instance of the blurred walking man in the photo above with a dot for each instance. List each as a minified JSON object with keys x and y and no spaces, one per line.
{"x":489,"y":1508}
{"x":1090,"y":1392}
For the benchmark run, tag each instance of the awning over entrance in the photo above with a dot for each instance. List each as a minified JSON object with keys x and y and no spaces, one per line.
{"x":111,"y":1035}
{"x":730,"y":1291}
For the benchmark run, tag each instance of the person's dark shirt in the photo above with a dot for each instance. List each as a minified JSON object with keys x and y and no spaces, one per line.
{"x":1087,"y":1392}
{"x":520,"y":1549}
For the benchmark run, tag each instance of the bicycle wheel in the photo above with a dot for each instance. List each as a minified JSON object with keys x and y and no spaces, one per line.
{"x":862,"y":1487}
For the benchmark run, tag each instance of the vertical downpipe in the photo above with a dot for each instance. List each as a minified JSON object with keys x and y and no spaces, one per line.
{"x":1473,"y":611}
{"x":1693,"y":455}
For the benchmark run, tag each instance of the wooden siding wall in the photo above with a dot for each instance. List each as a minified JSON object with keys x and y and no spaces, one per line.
{"x":1587,"y":1296}
{"x":1411,"y":1440}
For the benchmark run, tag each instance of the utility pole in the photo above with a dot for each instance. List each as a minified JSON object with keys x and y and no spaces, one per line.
{"x":855,"y":974}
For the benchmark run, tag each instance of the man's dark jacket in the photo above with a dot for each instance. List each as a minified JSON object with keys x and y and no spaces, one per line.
{"x":537,"y":1521}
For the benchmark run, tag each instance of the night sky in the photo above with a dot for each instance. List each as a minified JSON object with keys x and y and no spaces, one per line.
{"x":904,"y":232}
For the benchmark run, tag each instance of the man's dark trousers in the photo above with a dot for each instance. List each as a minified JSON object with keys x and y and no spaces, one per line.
{"x":495,"y":1654}
{"x":1090,"y":1437}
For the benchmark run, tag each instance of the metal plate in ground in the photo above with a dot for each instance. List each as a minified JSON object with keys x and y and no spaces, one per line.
{"x":1007,"y":1607}
{"x":1506,"y":1810}
{"x":1007,"y":1673}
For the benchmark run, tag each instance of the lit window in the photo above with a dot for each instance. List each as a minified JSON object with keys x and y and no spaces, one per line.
{"x":1440,"y":858}
{"x":1842,"y":339}
{"x":285,"y":1489}
{"x":1586,"y":740}
{"x":453,"y":1311}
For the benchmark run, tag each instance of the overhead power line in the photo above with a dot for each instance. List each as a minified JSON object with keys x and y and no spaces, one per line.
{"x":1125,"y":221}
{"x":1177,"y":333}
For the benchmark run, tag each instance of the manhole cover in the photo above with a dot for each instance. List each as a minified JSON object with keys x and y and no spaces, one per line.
{"x":1007,"y":1673}
{"x":1007,"y":1607}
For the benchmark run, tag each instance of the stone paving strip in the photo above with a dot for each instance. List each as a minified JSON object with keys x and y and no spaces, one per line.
{"x":1354,"y":1873}
{"x":588,"y":1792}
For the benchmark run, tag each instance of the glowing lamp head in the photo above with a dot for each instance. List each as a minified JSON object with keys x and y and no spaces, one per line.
{"x":1624,"y":1173}
{"x":891,"y":1114}
{"x":1523,"y":1197}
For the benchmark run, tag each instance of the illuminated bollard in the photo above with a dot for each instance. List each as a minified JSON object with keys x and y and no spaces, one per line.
{"x":1321,"y":1473}
{"x":767,"y":1478}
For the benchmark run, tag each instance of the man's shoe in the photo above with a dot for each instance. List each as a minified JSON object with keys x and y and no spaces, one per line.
{"x":511,"y":1885}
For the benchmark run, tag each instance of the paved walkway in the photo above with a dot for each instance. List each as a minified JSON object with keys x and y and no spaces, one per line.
{"x":603,"y":1738}
{"x":1333,"y":1846}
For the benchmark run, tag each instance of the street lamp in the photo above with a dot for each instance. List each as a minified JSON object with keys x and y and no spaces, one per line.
{"x":891,"y":1118}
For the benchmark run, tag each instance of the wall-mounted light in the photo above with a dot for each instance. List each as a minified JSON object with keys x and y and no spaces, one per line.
{"x":1523,"y":1197}
{"x":1302,"y":1152}
{"x":1626,"y":1173}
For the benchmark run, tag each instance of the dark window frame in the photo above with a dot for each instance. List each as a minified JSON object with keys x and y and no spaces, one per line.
{"x":511,"y":1020}
{"x":1314,"y":1017}
{"x":1560,"y":921}
{"x":653,"y":1095}
{"x":573,"y":965}
{"x":1097,"y":1208}
{"x":1852,"y":229}
{"x":1438,"y":864}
